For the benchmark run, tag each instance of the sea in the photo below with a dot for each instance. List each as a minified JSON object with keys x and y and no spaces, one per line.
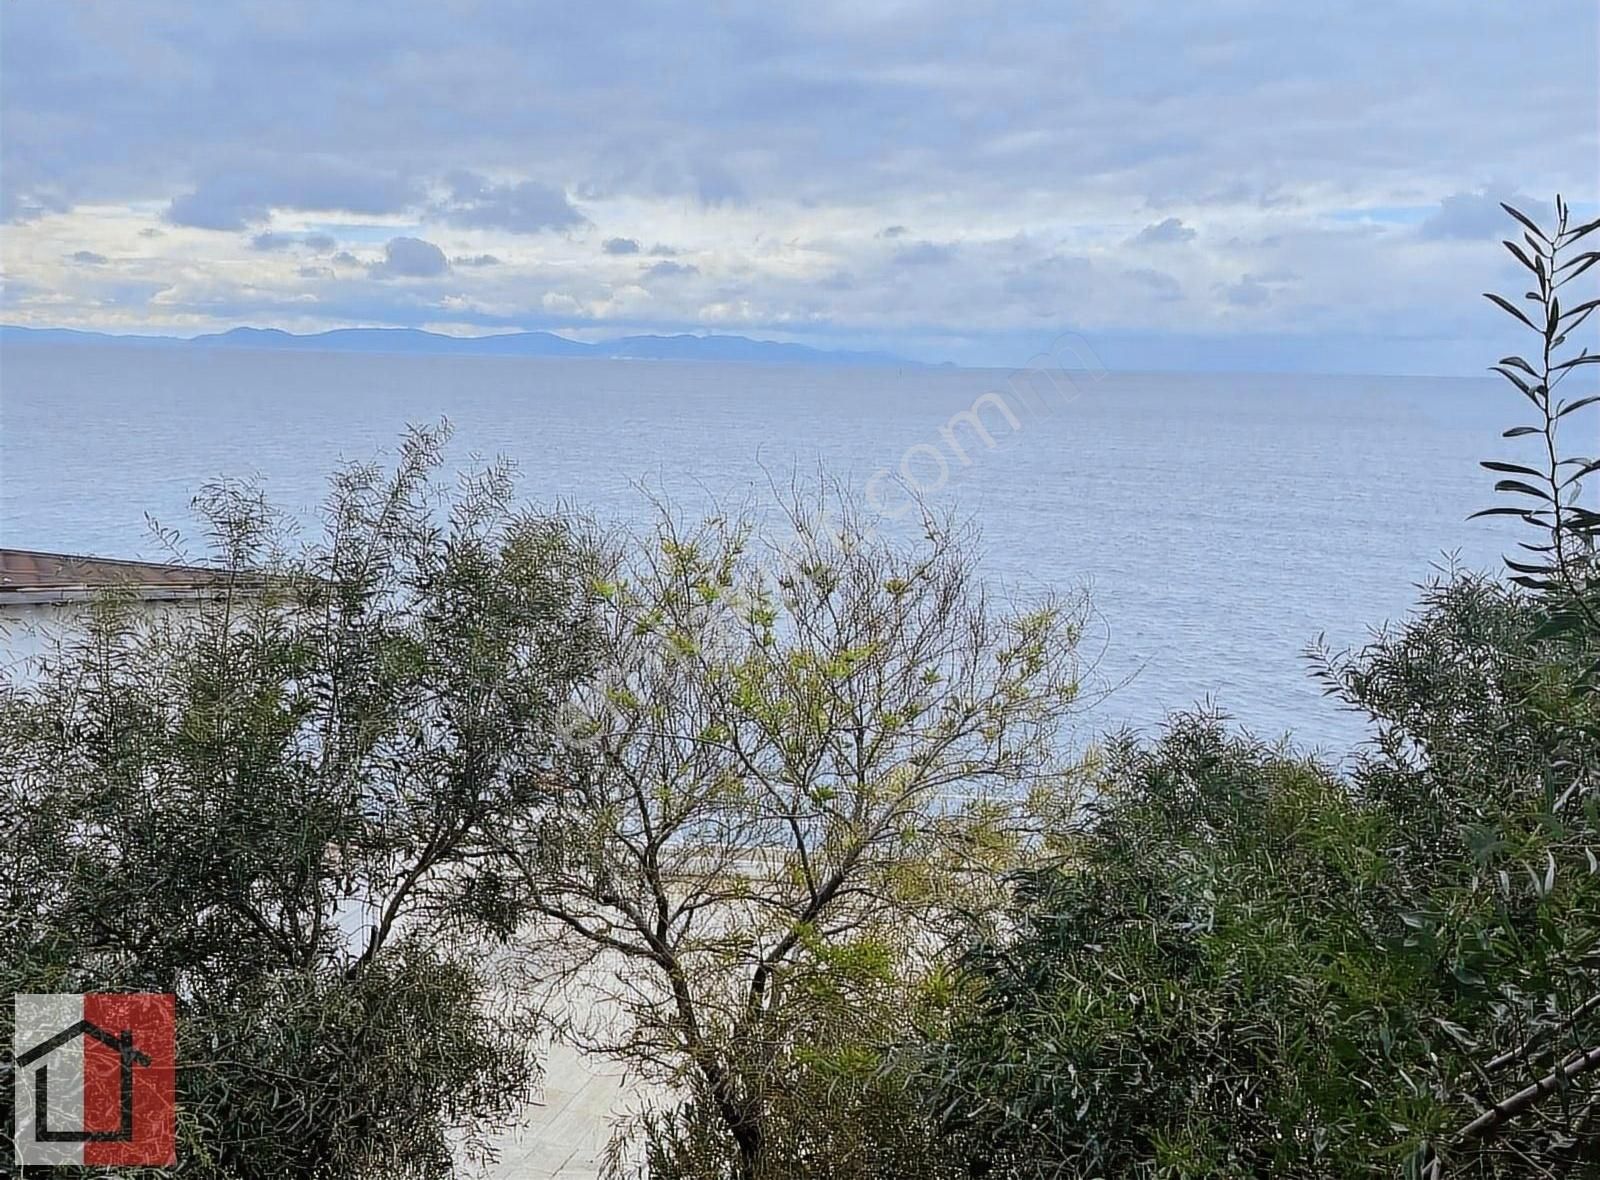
{"x":1220,"y":524}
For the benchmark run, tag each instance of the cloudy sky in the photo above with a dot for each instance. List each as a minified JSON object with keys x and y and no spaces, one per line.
{"x":1224,"y":184}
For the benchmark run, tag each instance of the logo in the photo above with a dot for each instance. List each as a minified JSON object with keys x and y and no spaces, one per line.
{"x":94,"y":1079}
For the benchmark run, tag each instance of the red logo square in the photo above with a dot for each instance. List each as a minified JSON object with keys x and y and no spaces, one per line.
{"x":95,"y":1079}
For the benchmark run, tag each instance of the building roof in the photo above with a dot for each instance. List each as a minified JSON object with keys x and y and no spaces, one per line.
{"x":30,"y":576}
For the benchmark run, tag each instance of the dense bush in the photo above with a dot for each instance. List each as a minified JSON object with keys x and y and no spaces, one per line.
{"x":271,"y":805}
{"x":835,"y":1109}
{"x":1244,"y":964}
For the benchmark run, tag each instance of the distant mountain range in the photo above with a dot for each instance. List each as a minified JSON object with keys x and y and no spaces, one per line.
{"x":413,"y":341}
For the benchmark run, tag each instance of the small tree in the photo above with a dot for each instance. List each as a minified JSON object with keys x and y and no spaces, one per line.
{"x":268,"y":805}
{"x":1563,"y":567}
{"x":1244,"y":966}
{"x":1193,"y":988}
{"x":841,"y":1103}
{"x":796,"y":770}
{"x":1487,"y":764}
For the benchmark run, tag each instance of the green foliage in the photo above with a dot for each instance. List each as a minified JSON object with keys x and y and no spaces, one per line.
{"x":385,"y":1073}
{"x":273,"y":802}
{"x":837,"y":1107}
{"x":1562,"y":565}
{"x":791,"y":782}
{"x":1478,"y":712}
{"x":1487,"y":758}
{"x":1243,"y":964}
{"x":1184,"y":993}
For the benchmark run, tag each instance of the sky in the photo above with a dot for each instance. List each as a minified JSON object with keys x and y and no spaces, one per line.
{"x":1211,"y":185}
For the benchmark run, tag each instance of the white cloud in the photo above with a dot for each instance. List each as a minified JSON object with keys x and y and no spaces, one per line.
{"x":868,"y":177}
{"x":1167,"y":231}
{"x":410,"y":258}
{"x":1478,"y":215}
{"x":519,"y":207}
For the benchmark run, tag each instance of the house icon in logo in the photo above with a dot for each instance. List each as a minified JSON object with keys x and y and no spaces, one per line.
{"x":94,"y":1079}
{"x":130,"y":1057}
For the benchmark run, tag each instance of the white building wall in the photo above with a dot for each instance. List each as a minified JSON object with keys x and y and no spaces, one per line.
{"x":32,"y":631}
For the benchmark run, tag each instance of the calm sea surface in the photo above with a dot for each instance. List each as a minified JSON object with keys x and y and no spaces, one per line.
{"x":1221,"y":522}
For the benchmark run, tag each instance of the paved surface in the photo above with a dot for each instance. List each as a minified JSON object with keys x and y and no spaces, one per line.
{"x":566,"y":1133}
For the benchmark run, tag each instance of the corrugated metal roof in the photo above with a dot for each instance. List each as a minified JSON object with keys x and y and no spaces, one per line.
{"x":26,"y":570}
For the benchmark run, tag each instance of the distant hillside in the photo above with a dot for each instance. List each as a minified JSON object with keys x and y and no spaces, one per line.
{"x":412,"y":341}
